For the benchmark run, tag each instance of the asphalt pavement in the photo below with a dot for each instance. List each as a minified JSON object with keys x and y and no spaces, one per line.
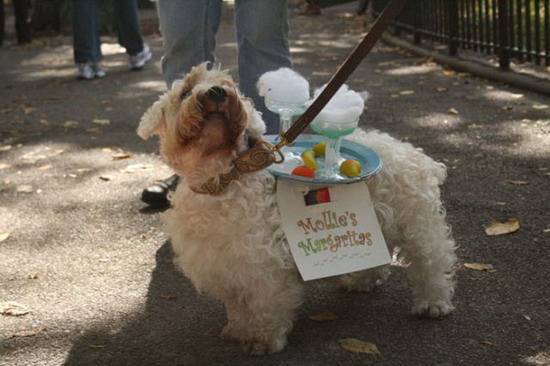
{"x":92,"y":266}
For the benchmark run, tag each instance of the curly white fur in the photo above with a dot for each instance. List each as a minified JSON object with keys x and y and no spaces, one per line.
{"x":232,"y":245}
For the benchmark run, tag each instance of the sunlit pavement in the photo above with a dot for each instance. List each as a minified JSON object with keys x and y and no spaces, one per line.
{"x":93,"y":268}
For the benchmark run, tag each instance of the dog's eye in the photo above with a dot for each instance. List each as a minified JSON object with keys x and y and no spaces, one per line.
{"x":184,"y":94}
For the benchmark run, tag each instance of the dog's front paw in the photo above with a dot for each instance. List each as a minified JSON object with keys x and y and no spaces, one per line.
{"x":261,"y":348}
{"x":434,"y":309}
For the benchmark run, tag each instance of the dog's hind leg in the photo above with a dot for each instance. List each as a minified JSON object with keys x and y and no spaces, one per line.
{"x":429,"y":251}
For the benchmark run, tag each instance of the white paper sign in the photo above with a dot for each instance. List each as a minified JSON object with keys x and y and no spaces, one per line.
{"x":331,"y":231}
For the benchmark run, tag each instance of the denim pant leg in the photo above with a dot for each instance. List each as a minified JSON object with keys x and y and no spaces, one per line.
{"x":86,"y":41}
{"x":188,"y":28}
{"x":127,"y":21}
{"x":262,"y":40}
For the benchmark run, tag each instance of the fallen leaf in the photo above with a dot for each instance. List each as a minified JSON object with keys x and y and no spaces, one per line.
{"x":32,"y":276}
{"x":24,"y":188}
{"x":527,"y":317}
{"x":121,"y":156}
{"x":488,"y":343}
{"x":4,"y":166}
{"x":406,"y":92}
{"x":507,"y":108}
{"x":501,"y":228}
{"x":358,"y":346}
{"x":101,"y":121}
{"x":45,"y":167}
{"x":540,"y":106}
{"x":167,"y":297}
{"x":480,"y":267}
{"x":93,"y":130}
{"x":70,"y":124}
{"x":324,"y":316}
{"x":452,"y":111}
{"x":137,"y":167}
{"x":26,"y":333}
{"x":441,"y":89}
{"x":106,"y":178}
{"x":4,"y":235}
{"x":96,"y":345}
{"x":5,"y":148}
{"x":546,"y":231}
{"x":518,"y":182}
{"x":12,"y":308}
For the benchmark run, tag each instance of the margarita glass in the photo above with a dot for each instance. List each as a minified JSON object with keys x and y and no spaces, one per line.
{"x":334,"y":131}
{"x":286,"y":111}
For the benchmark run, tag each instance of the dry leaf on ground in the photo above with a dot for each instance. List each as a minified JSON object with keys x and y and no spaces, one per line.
{"x":137,"y":167}
{"x":480,"y":267}
{"x":358,"y":346}
{"x":121,"y":156}
{"x":70,"y":124}
{"x":502,"y":228}
{"x":406,"y":92}
{"x":12,"y":308}
{"x":106,"y":178}
{"x":24,"y":188}
{"x":4,"y":166}
{"x":325,"y":316}
{"x":167,"y":297}
{"x":101,"y":121}
{"x":452,"y":111}
{"x":26,"y":333}
{"x":518,"y":182}
{"x":4,"y":235}
{"x":540,"y":106}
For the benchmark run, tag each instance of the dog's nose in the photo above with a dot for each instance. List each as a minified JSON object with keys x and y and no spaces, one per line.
{"x":216,"y":94}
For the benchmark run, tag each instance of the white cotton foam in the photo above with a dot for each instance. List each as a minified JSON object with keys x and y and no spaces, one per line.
{"x":284,"y":85}
{"x":345,"y":106}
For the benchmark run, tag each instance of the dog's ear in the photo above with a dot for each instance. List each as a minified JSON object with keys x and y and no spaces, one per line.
{"x":152,"y":122}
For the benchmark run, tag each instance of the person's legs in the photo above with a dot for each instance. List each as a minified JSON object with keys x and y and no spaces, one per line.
{"x":86,"y":41}
{"x":22,"y":27}
{"x":127,"y":22}
{"x":188,"y":28}
{"x":262,"y":40}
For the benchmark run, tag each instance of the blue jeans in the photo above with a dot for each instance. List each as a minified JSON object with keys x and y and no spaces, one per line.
{"x":189,"y":29}
{"x":86,"y":37}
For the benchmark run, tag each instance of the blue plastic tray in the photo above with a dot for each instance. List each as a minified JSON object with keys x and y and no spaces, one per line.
{"x":370,"y":161}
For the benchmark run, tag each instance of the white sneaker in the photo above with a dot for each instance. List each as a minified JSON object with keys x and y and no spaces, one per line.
{"x":85,"y":71}
{"x":98,"y":70}
{"x":138,"y":61}
{"x":89,"y":70}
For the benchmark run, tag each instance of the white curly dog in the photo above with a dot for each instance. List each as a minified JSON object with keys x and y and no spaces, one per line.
{"x":232,"y":245}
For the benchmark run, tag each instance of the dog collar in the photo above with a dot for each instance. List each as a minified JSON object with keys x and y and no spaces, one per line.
{"x":260,"y":155}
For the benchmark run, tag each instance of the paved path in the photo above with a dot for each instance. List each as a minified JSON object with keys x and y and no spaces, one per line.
{"x":93,"y":265}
